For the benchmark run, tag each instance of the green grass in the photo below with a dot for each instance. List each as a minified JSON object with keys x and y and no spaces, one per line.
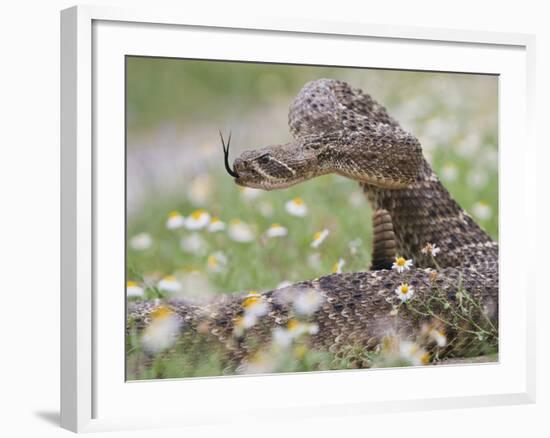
{"x":286,"y":258}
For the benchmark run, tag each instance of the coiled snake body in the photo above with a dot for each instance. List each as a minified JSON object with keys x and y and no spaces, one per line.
{"x":337,"y":129}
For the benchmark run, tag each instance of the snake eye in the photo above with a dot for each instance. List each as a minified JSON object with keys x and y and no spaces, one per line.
{"x":264,"y":159}
{"x":313,"y":146}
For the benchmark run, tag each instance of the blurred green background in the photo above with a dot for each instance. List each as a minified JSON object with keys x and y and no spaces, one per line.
{"x":174,"y":163}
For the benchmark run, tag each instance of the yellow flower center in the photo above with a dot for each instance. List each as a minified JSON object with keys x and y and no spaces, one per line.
{"x":298,"y":201}
{"x":235,"y":221}
{"x":253,"y":299}
{"x":317,"y":235}
{"x":212,"y":261}
{"x":400,"y":261}
{"x":131,"y":283}
{"x":215,"y":219}
{"x":174,"y":214}
{"x":161,"y":312}
{"x":197,"y":214}
{"x":275,"y":226}
{"x":170,"y":278}
{"x":293,"y":324}
{"x":404,"y":288}
{"x":425,"y":358}
{"x":389,"y":343}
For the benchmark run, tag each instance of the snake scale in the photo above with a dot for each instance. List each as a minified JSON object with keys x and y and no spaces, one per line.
{"x":341,"y":130}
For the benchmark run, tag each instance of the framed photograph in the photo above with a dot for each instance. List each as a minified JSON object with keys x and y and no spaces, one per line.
{"x":266,"y":217}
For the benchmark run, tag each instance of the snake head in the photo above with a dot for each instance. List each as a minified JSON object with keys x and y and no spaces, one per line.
{"x":276,"y":167}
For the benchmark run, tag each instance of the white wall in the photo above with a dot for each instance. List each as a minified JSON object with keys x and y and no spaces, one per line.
{"x":29,"y":219}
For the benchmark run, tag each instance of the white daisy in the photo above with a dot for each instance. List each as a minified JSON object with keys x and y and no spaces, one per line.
{"x":134,"y":290}
{"x":402,"y":264}
{"x":193,"y":244}
{"x":255,"y":304}
{"x":282,"y":337}
{"x":354,"y":246}
{"x":389,"y":344}
{"x":249,"y":194}
{"x":319,"y":237}
{"x":307,"y":302}
{"x":141,"y":241}
{"x":216,"y":225}
{"x":197,"y":220}
{"x":413,"y":353}
{"x":276,"y":230}
{"x":169,"y":284}
{"x":239,"y":231}
{"x":162,"y":332}
{"x":449,"y":172}
{"x":469,"y":146}
{"x":266,"y":209}
{"x":438,"y":336}
{"x":337,"y":267}
{"x":404,"y":292}
{"x":435,"y":130}
{"x":217,"y":261}
{"x":477,"y":179}
{"x":298,"y":328}
{"x":482,"y":210}
{"x":296,"y":207}
{"x":175,"y":220}
{"x":244,"y":322}
{"x":312,"y":329}
{"x":431,"y":249}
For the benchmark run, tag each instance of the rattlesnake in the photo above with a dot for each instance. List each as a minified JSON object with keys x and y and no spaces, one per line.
{"x":337,"y":129}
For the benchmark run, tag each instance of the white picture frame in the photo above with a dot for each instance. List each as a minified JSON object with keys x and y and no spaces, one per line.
{"x":94,"y":41}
